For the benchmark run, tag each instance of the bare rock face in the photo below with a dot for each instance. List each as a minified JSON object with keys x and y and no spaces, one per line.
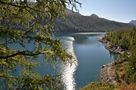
{"x":133,"y":22}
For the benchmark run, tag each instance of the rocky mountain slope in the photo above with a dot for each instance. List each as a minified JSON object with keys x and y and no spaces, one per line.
{"x":133,"y":22}
{"x":75,"y":22}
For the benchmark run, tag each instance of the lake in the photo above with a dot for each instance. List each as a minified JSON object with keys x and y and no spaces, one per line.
{"x":89,"y":54}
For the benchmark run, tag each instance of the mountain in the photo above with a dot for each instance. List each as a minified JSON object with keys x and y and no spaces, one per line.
{"x":133,"y":22}
{"x":75,"y":22}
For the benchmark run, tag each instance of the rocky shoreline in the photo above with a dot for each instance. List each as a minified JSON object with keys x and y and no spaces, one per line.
{"x":107,"y":74}
{"x":112,"y":48}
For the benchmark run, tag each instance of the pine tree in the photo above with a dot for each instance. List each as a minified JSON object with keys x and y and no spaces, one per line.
{"x":30,"y":21}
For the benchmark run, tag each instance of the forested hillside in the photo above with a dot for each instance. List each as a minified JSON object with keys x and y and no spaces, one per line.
{"x":75,"y":22}
{"x":126,"y":64}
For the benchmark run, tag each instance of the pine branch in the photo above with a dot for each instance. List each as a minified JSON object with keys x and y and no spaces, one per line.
{"x":24,"y":53}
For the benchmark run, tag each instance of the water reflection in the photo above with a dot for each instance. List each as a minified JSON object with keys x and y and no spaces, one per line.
{"x":68,"y":70}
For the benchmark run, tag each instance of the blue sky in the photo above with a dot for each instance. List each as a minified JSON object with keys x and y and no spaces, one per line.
{"x":118,"y":10}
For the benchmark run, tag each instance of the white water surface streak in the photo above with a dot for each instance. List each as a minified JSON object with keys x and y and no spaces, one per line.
{"x":68,"y":70}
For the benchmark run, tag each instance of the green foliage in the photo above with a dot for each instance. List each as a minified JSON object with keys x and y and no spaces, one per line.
{"x":99,"y":86}
{"x":23,"y":22}
{"x":127,"y":40}
{"x":131,"y":69}
{"x":124,"y":38}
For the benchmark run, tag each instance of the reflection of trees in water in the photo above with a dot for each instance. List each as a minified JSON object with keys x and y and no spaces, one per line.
{"x":87,"y":39}
{"x":115,"y":56}
{"x":80,"y":38}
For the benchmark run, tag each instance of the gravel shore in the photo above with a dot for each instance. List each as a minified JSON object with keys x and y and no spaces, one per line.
{"x":107,"y":74}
